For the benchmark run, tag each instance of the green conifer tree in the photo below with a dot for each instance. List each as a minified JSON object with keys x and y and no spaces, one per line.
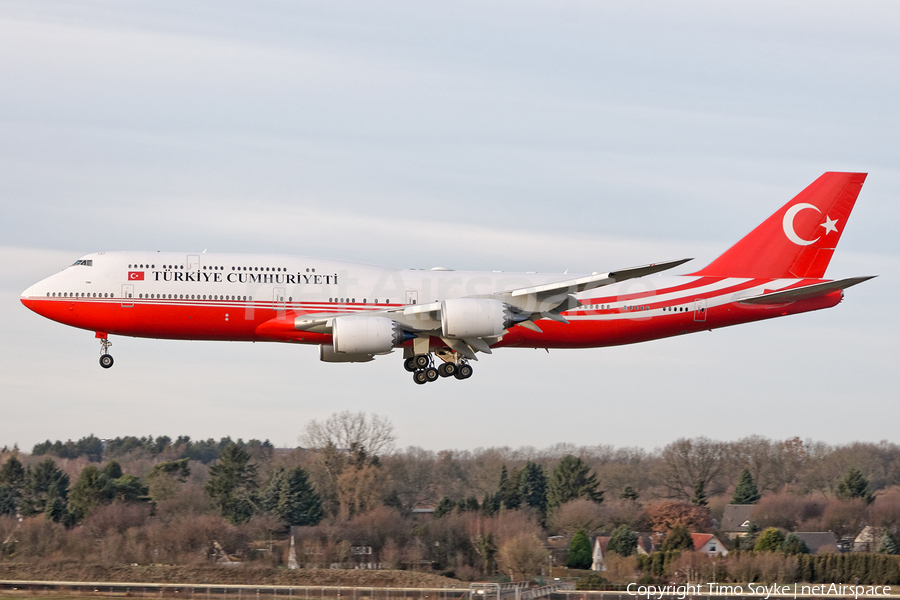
{"x":699,"y":497}
{"x":45,"y":482}
{"x":622,"y":541}
{"x":12,"y":474}
{"x":509,"y":489}
{"x":745,"y":492}
{"x":571,"y":480}
{"x":129,"y":488}
{"x":8,"y":504}
{"x":112,"y":470}
{"x":232,"y":484}
{"x":444,"y":507}
{"x":887,"y":543}
{"x":854,"y":485}
{"x":794,"y":545}
{"x":580,"y":555}
{"x":92,"y":489}
{"x":490,"y":504}
{"x":297,"y":502}
{"x":678,"y":538}
{"x":533,"y":487}
{"x":268,"y":500}
{"x":628,"y":493}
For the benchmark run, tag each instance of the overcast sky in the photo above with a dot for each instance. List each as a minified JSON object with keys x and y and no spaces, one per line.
{"x":586,"y":136}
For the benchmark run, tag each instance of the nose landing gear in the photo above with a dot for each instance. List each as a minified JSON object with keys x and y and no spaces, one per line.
{"x":106,"y":359}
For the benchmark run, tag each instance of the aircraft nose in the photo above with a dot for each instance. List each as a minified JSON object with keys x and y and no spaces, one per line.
{"x":25,"y":298}
{"x":31,"y":295}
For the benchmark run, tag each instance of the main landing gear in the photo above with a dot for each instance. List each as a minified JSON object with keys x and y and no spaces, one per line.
{"x":423,"y":370}
{"x":106,"y":359}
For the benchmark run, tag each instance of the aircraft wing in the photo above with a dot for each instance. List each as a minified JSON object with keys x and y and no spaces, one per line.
{"x":805,"y":292}
{"x":572,"y":286}
{"x":523,"y":306}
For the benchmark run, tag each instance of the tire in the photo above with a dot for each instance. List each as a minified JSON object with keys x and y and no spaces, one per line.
{"x":431,"y":374}
{"x":420,"y":378}
{"x":447,"y":370}
{"x":409,"y":365}
{"x":464,"y":372}
{"x":106,"y":361}
{"x":421,"y":361}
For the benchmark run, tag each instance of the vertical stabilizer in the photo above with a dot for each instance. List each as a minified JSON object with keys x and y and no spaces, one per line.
{"x":799,"y":239}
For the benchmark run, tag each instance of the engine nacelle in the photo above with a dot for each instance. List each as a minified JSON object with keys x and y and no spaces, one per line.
{"x":473,"y":318}
{"x":365,"y":335}
{"x":327,"y":354}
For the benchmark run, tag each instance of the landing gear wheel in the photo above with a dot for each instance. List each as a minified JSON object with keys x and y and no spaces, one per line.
{"x":447,"y":370}
{"x":431,"y":374}
{"x":410,"y":365}
{"x":420,"y":377}
{"x":106,"y":359}
{"x":464,"y":372}
{"x":422,"y":361}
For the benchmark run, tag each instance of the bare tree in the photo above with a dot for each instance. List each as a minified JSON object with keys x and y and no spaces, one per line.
{"x":757,"y":454}
{"x":522,"y":556}
{"x":791,"y":458}
{"x":577,"y":514}
{"x":355,"y":432}
{"x":412,"y":476}
{"x":688,"y":461}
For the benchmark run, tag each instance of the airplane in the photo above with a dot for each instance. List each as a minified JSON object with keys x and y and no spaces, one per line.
{"x":355,"y":312}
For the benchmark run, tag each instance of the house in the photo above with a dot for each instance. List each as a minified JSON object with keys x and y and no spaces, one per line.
{"x":736,"y":519}
{"x":600,"y":543}
{"x":708,"y":544}
{"x":867,"y":540}
{"x":819,"y":542}
{"x":648,"y":542}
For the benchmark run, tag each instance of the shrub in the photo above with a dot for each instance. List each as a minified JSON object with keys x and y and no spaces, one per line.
{"x":770,"y":540}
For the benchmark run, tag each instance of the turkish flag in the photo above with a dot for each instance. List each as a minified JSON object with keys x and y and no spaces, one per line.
{"x":135,"y":275}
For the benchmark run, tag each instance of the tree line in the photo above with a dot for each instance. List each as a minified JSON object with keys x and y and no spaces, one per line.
{"x":348,"y":487}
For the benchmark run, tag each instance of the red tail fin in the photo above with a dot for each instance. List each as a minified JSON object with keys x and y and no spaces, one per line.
{"x":799,"y":239}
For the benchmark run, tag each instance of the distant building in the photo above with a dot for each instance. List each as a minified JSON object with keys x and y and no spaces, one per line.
{"x":867,"y":540}
{"x":648,"y":542}
{"x":819,"y":542}
{"x":707,"y":543}
{"x":736,"y":519}
{"x":599,"y":562}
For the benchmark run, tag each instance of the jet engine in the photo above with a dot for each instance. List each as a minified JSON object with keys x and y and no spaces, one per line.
{"x":365,"y":335}
{"x":327,"y":354}
{"x":474,"y":318}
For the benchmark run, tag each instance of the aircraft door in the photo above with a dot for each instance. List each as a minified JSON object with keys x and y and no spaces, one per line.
{"x":412,"y":297}
{"x":700,"y":309}
{"x":127,"y":294}
{"x":278,"y":298}
{"x":193,"y":262}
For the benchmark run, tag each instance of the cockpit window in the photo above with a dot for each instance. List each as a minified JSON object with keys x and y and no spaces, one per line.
{"x":84,"y":263}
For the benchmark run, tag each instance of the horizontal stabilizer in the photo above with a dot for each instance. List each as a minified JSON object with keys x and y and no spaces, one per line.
{"x":805,"y":292}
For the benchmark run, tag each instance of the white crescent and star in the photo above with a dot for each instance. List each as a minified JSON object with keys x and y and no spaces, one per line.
{"x":788,"y":224}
